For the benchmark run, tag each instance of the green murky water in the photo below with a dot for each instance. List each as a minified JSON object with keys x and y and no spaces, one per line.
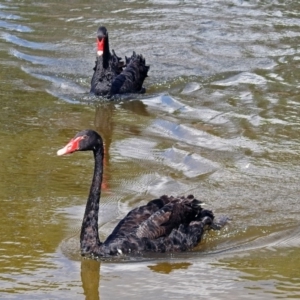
{"x":220,"y":119}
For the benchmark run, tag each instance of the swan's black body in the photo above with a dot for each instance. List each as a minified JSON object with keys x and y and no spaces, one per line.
{"x":166,"y":224}
{"x":110,"y":77}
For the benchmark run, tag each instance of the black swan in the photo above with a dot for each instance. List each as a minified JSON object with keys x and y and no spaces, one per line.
{"x":111,"y":76}
{"x":166,"y":224}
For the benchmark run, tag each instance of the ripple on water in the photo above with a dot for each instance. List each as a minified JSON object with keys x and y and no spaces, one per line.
{"x":34,"y":59}
{"x":244,"y":77}
{"x":166,"y":103}
{"x":154,"y":184}
{"x":135,"y":148}
{"x":8,"y":16}
{"x":27,"y":44}
{"x":189,"y":135}
{"x":14,"y":27}
{"x":190,"y":87}
{"x":4,"y":6}
{"x":229,"y":104}
{"x":193,"y":136}
{"x":190,"y":164}
{"x":183,"y":110}
{"x":62,"y":88}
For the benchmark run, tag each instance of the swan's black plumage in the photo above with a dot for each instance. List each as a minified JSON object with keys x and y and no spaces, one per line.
{"x":166,"y":224}
{"x":110,"y":77}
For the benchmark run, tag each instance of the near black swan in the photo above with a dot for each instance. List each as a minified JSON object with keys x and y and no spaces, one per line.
{"x":166,"y":224}
{"x":109,"y":76}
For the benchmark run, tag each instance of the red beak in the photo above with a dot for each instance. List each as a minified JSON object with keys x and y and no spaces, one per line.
{"x":71,"y":147}
{"x":100,"y":45}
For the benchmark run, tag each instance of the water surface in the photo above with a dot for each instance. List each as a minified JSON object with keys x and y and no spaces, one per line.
{"x":220,"y":119}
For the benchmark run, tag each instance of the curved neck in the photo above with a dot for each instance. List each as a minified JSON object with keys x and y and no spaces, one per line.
{"x":89,"y":237}
{"x":106,"y":53}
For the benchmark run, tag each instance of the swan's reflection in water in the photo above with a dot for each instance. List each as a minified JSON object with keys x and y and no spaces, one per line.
{"x":104,"y":116}
{"x":166,"y":267}
{"x":90,"y":277}
{"x":137,"y":107}
{"x":105,"y":123}
{"x":90,"y":274}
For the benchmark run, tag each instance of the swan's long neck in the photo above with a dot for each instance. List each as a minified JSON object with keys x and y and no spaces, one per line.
{"x":106,"y":53}
{"x":89,"y":237}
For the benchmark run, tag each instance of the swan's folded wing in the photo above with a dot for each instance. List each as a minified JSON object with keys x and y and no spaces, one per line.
{"x":171,"y":216}
{"x":137,"y":216}
{"x":131,"y":79}
{"x":154,"y":227}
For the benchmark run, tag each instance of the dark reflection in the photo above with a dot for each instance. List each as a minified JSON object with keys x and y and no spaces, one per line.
{"x":104,"y":124}
{"x":137,"y":107}
{"x":90,"y":277}
{"x":167,"y":267}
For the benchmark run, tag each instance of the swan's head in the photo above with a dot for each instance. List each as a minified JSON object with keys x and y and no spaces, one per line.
{"x":83,"y":141}
{"x":102,"y":35}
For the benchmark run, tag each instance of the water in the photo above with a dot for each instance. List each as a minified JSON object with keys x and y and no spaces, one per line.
{"x":220,"y":119}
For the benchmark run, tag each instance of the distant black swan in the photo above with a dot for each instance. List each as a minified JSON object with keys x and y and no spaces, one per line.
{"x":109,"y":76}
{"x":163,"y":225}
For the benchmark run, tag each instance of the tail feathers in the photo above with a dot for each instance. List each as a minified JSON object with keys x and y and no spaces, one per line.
{"x":127,"y":60}
{"x":114,"y":54}
{"x":116,"y":63}
{"x":132,"y":78}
